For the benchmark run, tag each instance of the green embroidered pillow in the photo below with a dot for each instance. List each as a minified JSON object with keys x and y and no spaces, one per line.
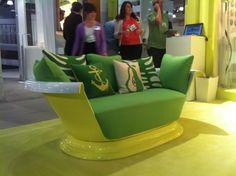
{"x":128,"y":76}
{"x":149,"y":74}
{"x":95,"y":80}
{"x":46,"y":70}
{"x":107,"y":62}
{"x":174,"y":72}
{"x":65,"y":62}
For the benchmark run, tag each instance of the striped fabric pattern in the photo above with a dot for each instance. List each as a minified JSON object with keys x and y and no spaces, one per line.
{"x":150,"y":78}
{"x":65,"y":62}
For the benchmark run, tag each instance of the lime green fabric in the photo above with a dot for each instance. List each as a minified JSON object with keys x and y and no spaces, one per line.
{"x":46,"y":70}
{"x":175,"y":71}
{"x":128,"y":76}
{"x":127,"y":114}
{"x":149,"y":74}
{"x":65,"y":62}
{"x":107,"y":62}
{"x":95,"y":80}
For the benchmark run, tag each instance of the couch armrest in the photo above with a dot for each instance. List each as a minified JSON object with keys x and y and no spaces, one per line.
{"x":53,"y":87}
{"x":69,"y":101}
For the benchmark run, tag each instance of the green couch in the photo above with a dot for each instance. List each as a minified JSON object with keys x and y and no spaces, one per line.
{"x":119,"y":125}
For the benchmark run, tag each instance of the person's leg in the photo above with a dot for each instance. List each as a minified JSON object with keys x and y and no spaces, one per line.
{"x":160,"y":53}
{"x":67,"y":49}
{"x":89,"y":48}
{"x":157,"y":55}
{"x":125,"y":52}
{"x":136,"y":51}
{"x":153,"y":52}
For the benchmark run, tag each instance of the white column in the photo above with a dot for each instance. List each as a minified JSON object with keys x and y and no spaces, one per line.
{"x":45,"y":16}
{"x":22,"y":35}
{"x":39,"y":23}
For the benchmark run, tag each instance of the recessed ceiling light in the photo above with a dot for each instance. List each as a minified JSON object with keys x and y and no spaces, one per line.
{"x":9,"y":2}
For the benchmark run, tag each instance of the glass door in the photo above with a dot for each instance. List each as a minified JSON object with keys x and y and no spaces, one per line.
{"x":31,"y":31}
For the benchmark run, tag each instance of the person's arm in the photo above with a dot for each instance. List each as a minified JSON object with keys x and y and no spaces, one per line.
{"x":139,"y":27}
{"x":103,"y":42}
{"x":76,"y":44}
{"x":152,"y":18}
{"x":164,"y":26}
{"x":65,"y":30}
{"x":118,"y":29}
{"x":158,"y":18}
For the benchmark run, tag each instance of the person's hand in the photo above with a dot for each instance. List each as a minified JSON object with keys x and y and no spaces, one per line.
{"x":157,"y":7}
{"x":139,"y":31}
{"x":104,"y":54}
{"x":159,"y":14}
{"x":123,"y":32}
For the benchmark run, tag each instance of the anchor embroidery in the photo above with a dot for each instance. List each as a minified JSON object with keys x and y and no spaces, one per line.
{"x":103,"y":84}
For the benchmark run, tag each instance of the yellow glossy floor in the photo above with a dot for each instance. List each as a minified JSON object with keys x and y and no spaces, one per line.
{"x":206,"y":148}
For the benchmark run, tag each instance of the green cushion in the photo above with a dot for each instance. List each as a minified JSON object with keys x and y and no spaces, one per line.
{"x":107,"y":62}
{"x":65,"y":62}
{"x":127,"y":114}
{"x":149,"y":74}
{"x":128,"y":76}
{"x":95,"y":80}
{"x":46,"y":70}
{"x":175,"y":71}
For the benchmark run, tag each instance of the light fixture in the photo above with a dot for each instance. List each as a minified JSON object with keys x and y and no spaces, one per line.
{"x":173,"y":16}
{"x":181,"y":8}
{"x":9,"y":2}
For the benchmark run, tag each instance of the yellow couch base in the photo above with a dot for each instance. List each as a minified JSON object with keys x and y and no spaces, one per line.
{"x":121,"y":148}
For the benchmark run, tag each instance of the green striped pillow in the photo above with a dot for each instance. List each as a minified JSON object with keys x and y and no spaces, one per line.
{"x":46,"y":70}
{"x":65,"y":62}
{"x":149,"y":75}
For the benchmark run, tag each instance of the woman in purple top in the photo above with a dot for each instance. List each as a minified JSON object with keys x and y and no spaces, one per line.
{"x":89,"y":37}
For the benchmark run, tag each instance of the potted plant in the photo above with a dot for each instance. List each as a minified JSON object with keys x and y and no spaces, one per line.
{"x":206,"y":88}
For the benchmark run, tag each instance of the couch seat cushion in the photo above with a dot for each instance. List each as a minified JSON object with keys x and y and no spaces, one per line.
{"x":121,"y":115}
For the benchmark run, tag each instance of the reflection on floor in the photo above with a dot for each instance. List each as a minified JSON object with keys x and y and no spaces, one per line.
{"x":206,"y":148}
{"x":226,"y":94}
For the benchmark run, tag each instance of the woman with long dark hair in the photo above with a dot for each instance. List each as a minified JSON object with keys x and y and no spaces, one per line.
{"x":128,"y":31}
